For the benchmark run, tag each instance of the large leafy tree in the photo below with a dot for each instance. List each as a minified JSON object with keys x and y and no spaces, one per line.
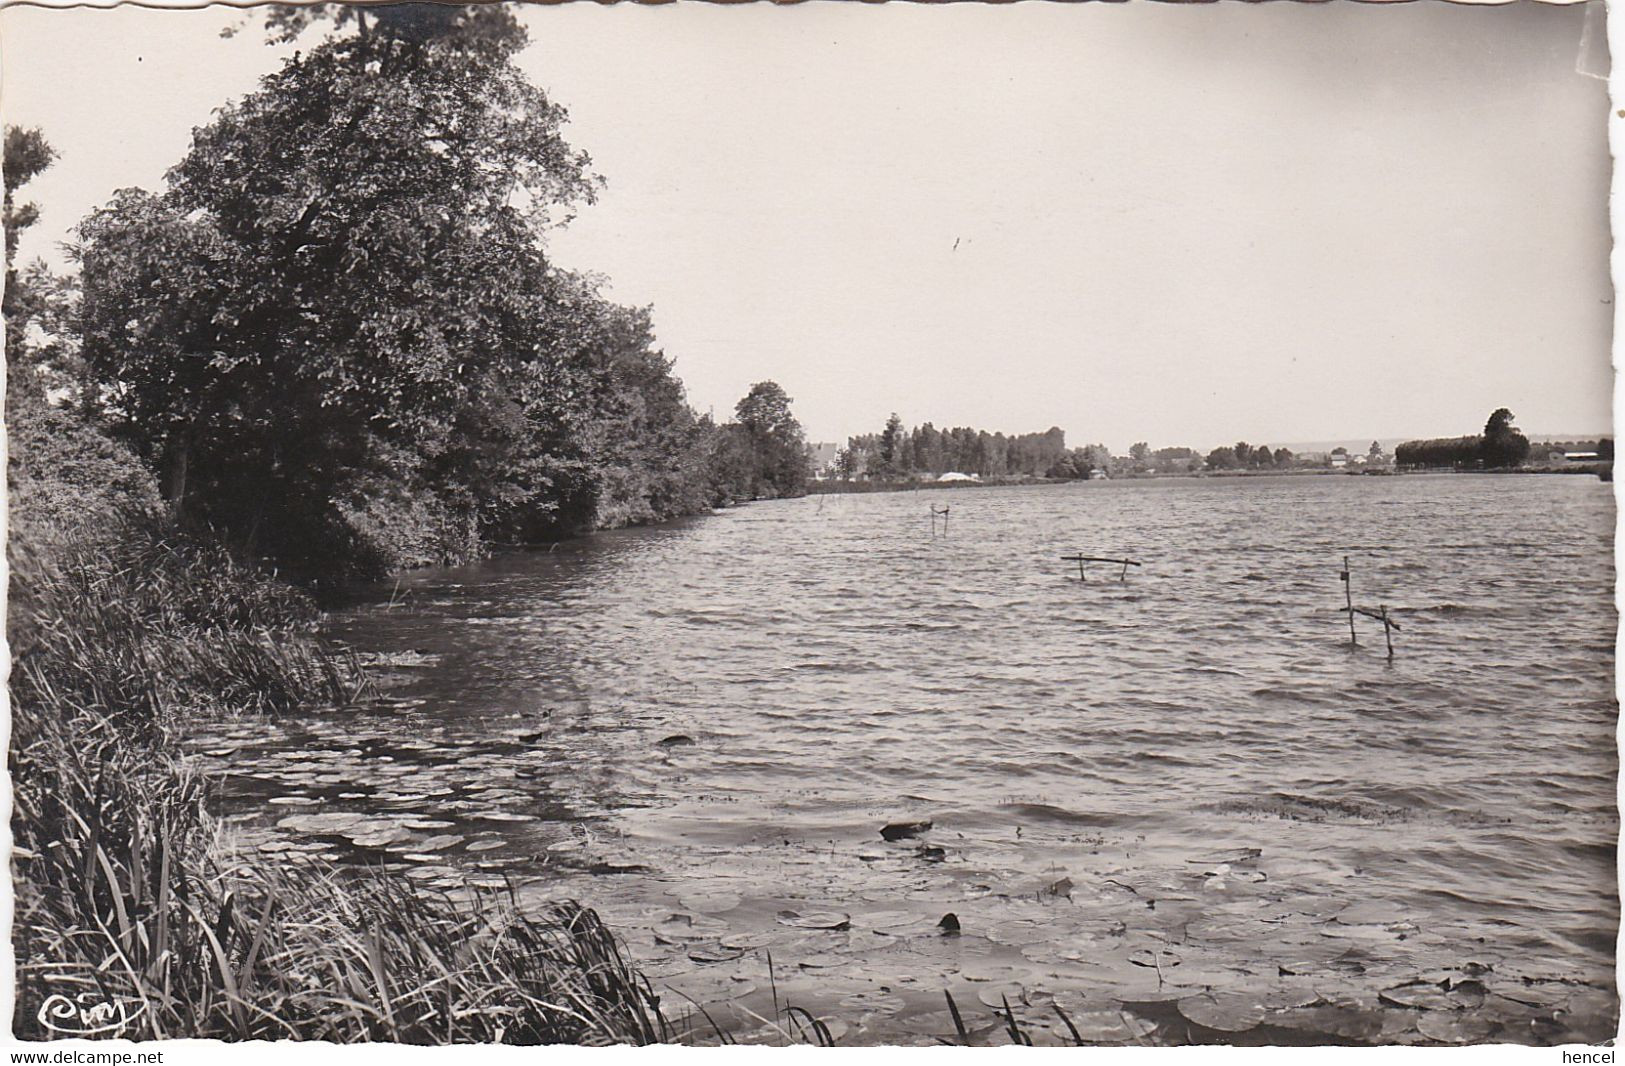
{"x":39,"y":349}
{"x":775,"y":440}
{"x":1504,"y":444}
{"x":335,"y":331}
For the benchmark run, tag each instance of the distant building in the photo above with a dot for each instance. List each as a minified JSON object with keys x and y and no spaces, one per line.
{"x":822,"y":457}
{"x":954,"y":475}
{"x":1563,"y":456}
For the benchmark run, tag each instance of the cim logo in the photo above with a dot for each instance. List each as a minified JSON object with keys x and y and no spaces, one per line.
{"x":88,"y":1014}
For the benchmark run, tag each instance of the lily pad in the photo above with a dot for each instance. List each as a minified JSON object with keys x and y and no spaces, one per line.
{"x":709,"y":902}
{"x":1227,"y":1013}
{"x":683,"y":928}
{"x":377,"y":838}
{"x":713,"y":952}
{"x":1110,"y":1026}
{"x":815,"y":919}
{"x":1457,"y":1028}
{"x":1418,"y":995}
{"x":997,"y":995}
{"x":439,"y":843}
{"x":1343,"y":1023}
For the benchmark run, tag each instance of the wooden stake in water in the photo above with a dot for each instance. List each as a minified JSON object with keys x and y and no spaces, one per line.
{"x":1389,"y":626}
{"x":934,"y":514}
{"x":1081,"y":559}
{"x":1348,"y":597}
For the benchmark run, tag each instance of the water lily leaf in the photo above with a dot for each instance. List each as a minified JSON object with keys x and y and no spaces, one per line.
{"x":815,"y":919}
{"x":1457,"y":1028}
{"x":1417,"y":995}
{"x":996,"y":995}
{"x":439,"y":843}
{"x":713,"y":952}
{"x":1468,"y":994}
{"x":502,"y":816}
{"x":1341,"y":1022}
{"x":709,"y":902}
{"x":428,"y":873}
{"x":823,"y":961}
{"x":1290,"y":996}
{"x":682,"y":928}
{"x":273,"y":847}
{"x":1227,"y":1013}
{"x":485,"y":844}
{"x":293,"y":801}
{"x":1110,"y":1026}
{"x":376,"y":837}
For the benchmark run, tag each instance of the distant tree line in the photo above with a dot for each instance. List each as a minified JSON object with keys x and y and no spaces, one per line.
{"x":1500,"y":445}
{"x":335,"y":336}
{"x":1244,"y":456}
{"x":898,"y":452}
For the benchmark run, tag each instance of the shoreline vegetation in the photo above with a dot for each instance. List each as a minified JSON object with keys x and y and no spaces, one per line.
{"x":250,"y":393}
{"x":254,"y":391}
{"x":900,"y":458}
{"x":831,"y":487}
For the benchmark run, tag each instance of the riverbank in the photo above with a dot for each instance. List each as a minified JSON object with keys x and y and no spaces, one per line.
{"x":1603,"y":471}
{"x":135,"y":914}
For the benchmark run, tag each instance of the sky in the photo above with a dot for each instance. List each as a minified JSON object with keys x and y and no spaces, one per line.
{"x":1186,"y":225}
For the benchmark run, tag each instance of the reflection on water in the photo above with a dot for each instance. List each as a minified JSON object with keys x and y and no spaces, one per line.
{"x":1139,"y":790}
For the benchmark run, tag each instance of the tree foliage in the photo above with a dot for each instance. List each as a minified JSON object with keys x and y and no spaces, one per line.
{"x":1504,"y":444}
{"x":335,"y":332}
{"x":1500,"y":445}
{"x":763,"y":452}
{"x":901,"y":453}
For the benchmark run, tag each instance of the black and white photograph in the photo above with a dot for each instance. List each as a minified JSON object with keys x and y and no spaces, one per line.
{"x":855,"y":525}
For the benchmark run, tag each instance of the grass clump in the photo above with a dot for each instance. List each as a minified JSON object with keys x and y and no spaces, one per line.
{"x":122,"y":627}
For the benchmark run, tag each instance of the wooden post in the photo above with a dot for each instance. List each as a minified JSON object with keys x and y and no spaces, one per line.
{"x":1124,"y":575}
{"x":1080,"y":569}
{"x":1387,"y":628}
{"x":1348,"y":597}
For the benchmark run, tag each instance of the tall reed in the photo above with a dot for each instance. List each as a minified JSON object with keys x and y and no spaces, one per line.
{"x":124,"y":891}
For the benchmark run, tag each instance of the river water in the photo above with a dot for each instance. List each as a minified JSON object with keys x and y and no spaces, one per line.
{"x":1179,"y":805}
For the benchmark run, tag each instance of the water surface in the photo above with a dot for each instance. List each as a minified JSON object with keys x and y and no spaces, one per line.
{"x":1140,"y":791}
